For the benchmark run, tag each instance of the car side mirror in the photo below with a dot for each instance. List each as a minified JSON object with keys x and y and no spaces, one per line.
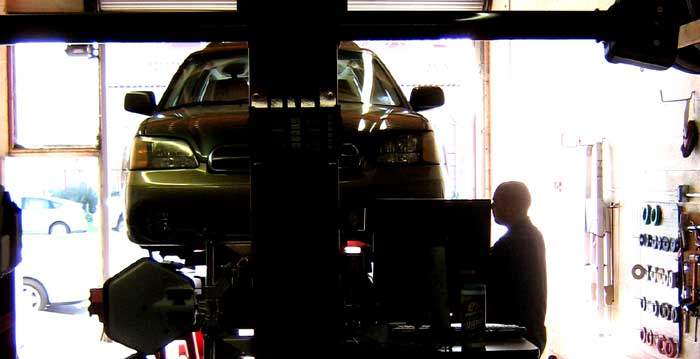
{"x":143,"y":102}
{"x":426,"y":97}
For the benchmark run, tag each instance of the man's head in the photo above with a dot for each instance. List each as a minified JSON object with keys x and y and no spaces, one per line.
{"x":511,"y":200}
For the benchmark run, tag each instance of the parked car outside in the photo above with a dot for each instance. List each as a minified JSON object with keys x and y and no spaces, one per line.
{"x":188,"y":170}
{"x":51,"y":215}
{"x":58,"y":270}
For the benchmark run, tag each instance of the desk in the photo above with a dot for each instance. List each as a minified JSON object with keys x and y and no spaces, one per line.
{"x":513,"y":348}
{"x":503,"y":349}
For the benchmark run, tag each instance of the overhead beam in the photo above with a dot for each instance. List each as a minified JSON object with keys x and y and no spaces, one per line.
{"x":355,"y":25}
{"x":495,"y":25}
{"x":122,"y":27}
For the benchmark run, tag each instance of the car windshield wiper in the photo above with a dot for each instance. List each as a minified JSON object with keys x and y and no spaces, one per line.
{"x":208,"y":103}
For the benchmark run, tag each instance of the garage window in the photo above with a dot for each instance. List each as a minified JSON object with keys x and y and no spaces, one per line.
{"x":353,"y":5}
{"x":56,"y":103}
{"x":167,"y":5}
{"x":415,"y":5}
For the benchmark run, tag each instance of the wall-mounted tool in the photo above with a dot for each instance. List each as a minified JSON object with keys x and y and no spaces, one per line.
{"x":665,"y":345}
{"x":643,"y":239}
{"x":662,"y":243}
{"x":600,"y":218}
{"x":656,"y":307}
{"x":690,"y":128}
{"x":660,"y":310}
{"x":684,"y":193}
{"x":643,"y":303}
{"x":693,"y":261}
{"x":655,"y":215}
{"x":674,"y":279}
{"x":690,"y":297}
{"x":663,"y":276}
{"x":669,"y":312}
{"x":686,"y":228}
{"x":690,"y":138}
{"x":692,"y":237}
{"x":665,"y":244}
{"x":659,"y":275}
{"x":674,"y":314}
{"x":638,"y":271}
{"x":646,"y":214}
{"x":646,"y":335}
{"x":650,"y":214}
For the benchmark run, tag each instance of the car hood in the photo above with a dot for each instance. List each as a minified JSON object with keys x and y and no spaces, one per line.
{"x":206,"y":127}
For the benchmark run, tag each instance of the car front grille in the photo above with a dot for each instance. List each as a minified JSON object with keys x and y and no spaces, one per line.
{"x":229,"y":158}
{"x":236,"y":158}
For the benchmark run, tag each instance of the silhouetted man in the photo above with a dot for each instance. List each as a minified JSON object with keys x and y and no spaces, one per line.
{"x":516,"y":290}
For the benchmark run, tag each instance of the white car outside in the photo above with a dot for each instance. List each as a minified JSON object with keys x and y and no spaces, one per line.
{"x":58,"y":269}
{"x":50,"y":215}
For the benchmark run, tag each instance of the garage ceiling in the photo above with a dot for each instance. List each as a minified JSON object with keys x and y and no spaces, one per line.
{"x":353,"y":5}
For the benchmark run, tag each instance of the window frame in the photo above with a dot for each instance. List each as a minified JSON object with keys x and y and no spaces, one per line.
{"x":13,"y":147}
{"x":98,"y":151}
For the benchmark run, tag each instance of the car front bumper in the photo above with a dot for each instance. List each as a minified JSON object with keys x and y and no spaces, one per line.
{"x":176,"y":207}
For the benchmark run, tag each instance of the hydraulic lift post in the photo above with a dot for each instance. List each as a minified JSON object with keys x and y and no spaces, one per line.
{"x":295,"y":126}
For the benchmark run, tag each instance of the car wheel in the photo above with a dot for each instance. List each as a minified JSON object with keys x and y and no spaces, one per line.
{"x":34,"y":295}
{"x":59,"y":228}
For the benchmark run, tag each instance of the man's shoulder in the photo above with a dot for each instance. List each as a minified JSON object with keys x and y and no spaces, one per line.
{"x":527,"y":238}
{"x":505,"y":246}
{"x":527,"y":229}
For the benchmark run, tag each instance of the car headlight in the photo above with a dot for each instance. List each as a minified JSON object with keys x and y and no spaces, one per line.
{"x":399,"y":149}
{"x":408,"y":148}
{"x":161,"y":153}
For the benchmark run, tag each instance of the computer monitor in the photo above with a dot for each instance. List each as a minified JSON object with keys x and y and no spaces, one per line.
{"x":423,"y":252}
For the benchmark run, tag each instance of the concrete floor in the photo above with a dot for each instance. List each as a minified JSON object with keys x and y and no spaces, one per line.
{"x":64,"y":331}
{"x":67,"y":331}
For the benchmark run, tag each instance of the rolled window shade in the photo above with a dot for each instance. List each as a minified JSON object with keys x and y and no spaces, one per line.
{"x":230,"y":5}
{"x":415,"y":5}
{"x":167,"y":5}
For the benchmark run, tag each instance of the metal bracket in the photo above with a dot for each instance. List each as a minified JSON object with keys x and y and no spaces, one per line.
{"x":692,"y":94}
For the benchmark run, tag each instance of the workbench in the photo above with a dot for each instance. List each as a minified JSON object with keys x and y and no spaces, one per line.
{"x":502,"y":349}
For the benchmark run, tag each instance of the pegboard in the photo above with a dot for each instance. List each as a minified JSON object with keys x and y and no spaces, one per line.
{"x":657,"y":278}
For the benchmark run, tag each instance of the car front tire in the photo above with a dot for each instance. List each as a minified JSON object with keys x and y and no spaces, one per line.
{"x":34,"y":294}
{"x":59,"y":228}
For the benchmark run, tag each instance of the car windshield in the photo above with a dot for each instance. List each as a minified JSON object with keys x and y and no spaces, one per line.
{"x":223,"y":79}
